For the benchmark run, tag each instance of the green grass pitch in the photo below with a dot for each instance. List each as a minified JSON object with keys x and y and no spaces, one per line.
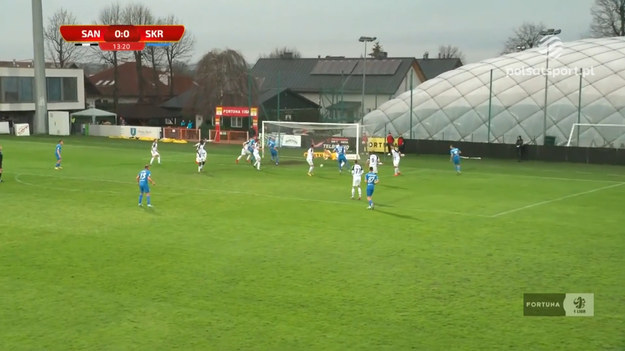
{"x":236,"y":259}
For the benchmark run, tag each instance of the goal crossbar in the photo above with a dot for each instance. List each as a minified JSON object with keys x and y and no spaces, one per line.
{"x":568,"y":143}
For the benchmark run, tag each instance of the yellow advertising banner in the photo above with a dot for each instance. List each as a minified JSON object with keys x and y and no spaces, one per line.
{"x":377,"y":144}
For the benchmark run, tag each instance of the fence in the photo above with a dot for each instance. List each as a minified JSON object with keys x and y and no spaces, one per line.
{"x":229,"y":136}
{"x":193,"y":134}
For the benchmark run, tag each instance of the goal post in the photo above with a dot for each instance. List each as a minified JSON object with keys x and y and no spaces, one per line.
{"x":596,"y":135}
{"x":324,"y":136}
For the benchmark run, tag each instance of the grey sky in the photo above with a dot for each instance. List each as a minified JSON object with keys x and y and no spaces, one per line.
{"x":326,"y":27}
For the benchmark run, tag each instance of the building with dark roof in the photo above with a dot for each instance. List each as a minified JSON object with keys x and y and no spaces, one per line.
{"x":333,"y":86}
{"x":156,"y":90}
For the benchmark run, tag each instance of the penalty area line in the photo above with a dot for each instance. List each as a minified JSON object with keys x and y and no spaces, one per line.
{"x":554,"y":200}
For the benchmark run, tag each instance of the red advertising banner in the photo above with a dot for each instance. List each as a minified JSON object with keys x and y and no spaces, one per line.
{"x":236,"y":111}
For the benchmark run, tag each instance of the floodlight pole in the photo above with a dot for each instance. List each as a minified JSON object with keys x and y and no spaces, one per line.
{"x":547,"y":33}
{"x":364,"y":69}
{"x":579,"y":103}
{"x":490,"y":104}
{"x":40,"y":121}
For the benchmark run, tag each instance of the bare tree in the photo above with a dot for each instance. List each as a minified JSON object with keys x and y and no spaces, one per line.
{"x":177,"y":52}
{"x":526,"y":36}
{"x":449,"y":51}
{"x":154,"y":55}
{"x":138,"y":14}
{"x":283,"y":52}
{"x":112,"y":14}
{"x":608,"y":18}
{"x":222,"y":78}
{"x":58,"y":50}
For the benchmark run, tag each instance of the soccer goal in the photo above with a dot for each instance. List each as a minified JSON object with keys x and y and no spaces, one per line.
{"x":324,"y":136}
{"x":596,"y":135}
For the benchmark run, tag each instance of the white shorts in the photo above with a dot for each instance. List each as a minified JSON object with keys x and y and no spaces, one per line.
{"x":375,"y":169}
{"x":155,"y":154}
{"x":256,"y":156}
{"x":310,"y":162}
{"x":244,"y":152}
{"x":200,"y":159}
{"x":396,"y":164}
{"x":356,"y":181}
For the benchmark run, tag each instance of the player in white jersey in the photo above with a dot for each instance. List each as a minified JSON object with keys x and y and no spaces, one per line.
{"x":356,"y":178}
{"x":200,"y":156}
{"x":155,"y":153}
{"x":396,"y":159}
{"x":309,"y":158}
{"x":256,"y":153}
{"x":244,"y":152}
{"x":373,"y":161}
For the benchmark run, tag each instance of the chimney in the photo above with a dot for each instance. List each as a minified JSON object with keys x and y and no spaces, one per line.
{"x":426,"y":55}
{"x":287,"y":55}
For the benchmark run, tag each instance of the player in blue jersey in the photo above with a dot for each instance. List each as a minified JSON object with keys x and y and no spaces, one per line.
{"x":372,"y":179}
{"x":454,"y":156}
{"x":57,"y":154}
{"x":144,"y":178}
{"x":340,"y":156}
{"x":250,"y":147}
{"x":272,"y":149}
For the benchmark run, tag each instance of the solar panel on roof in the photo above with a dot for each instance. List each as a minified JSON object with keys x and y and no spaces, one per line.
{"x":334,"y":67}
{"x":378,"y":67}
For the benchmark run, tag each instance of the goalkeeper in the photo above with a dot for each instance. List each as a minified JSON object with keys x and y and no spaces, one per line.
{"x":340,"y":156}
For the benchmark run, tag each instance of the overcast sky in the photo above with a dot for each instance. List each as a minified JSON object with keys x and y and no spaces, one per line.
{"x":405,"y":28}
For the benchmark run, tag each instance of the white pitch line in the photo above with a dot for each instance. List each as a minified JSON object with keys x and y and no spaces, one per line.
{"x":554,"y":200}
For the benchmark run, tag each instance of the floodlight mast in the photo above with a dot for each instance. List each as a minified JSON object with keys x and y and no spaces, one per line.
{"x":364,"y":39}
{"x":547,"y":33}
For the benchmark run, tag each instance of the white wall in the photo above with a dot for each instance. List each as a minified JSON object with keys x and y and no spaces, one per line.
{"x":124,"y":131}
{"x":50,"y":72}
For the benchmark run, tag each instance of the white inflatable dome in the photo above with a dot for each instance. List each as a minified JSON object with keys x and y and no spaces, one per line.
{"x":455,"y":105}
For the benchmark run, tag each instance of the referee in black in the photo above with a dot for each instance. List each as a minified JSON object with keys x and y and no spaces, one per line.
{"x":0,"y":163}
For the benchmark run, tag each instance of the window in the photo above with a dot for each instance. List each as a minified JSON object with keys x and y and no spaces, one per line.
{"x":10,"y":89}
{"x":53,"y":89}
{"x":237,"y":122}
{"x":60,"y":89}
{"x":70,"y":89}
{"x":26,"y":89}
{"x":16,"y":89}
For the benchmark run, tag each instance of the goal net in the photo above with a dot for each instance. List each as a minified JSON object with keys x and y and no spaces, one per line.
{"x":298,"y":136}
{"x":597,"y":135}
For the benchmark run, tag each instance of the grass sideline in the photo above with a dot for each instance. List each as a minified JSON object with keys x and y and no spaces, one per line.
{"x":234,"y":258}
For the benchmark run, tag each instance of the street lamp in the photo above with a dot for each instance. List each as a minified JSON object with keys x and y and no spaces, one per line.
{"x":364,"y":68}
{"x":546,"y":34}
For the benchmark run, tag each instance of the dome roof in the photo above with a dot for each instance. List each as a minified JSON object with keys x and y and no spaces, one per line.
{"x":456,"y":104}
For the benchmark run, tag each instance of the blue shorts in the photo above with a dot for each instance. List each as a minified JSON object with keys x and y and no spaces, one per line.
{"x":273,"y":152}
{"x":370,"y":191}
{"x":57,"y":157}
{"x":342,"y":158}
{"x":144,"y":188}
{"x":456,"y":160}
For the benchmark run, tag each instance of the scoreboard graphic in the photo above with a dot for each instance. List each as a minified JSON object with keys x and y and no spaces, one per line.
{"x":122,"y":37}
